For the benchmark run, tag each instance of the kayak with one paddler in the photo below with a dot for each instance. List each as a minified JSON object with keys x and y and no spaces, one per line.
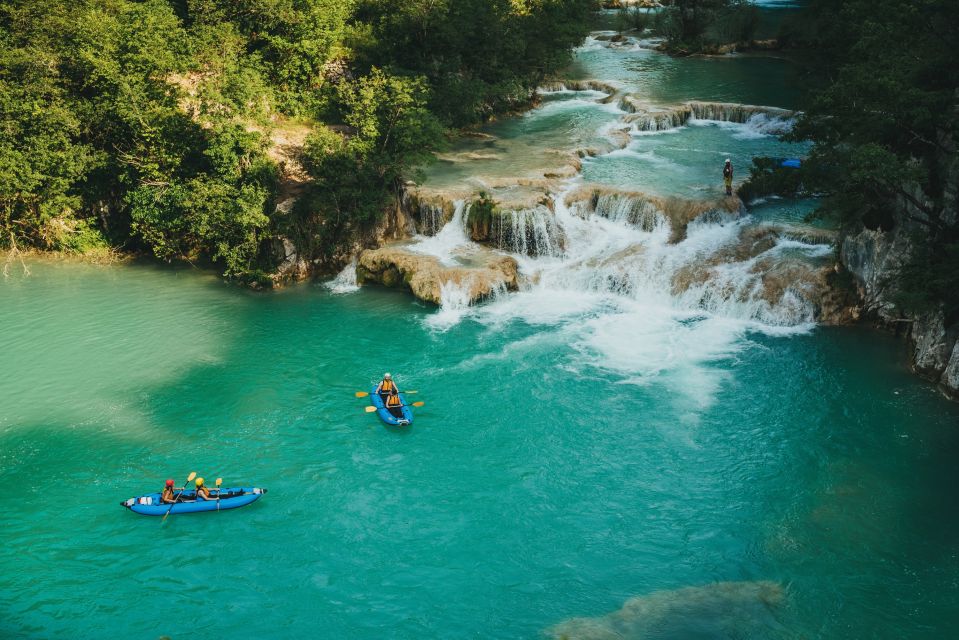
{"x":150,"y":504}
{"x":406,"y":417}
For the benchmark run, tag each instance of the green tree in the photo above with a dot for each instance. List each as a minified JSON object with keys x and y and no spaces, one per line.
{"x":480,"y":57}
{"x":691,"y":26}
{"x":389,"y":134}
{"x":883,"y":120}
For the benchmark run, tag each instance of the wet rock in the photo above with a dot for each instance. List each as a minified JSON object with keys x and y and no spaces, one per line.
{"x":292,"y":266}
{"x":934,"y":345}
{"x":872,"y":256}
{"x":950,"y":377}
{"x":425,"y":275}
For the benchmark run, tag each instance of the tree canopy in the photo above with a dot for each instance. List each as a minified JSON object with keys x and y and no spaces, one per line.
{"x":883,"y":119}
{"x":147,"y":124}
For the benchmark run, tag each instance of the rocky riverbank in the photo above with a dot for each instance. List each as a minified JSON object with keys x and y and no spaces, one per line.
{"x":873,"y":256}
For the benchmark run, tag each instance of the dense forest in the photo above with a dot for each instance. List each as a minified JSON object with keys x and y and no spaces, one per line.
{"x":883,"y":114}
{"x":153,"y":125}
{"x":162,"y":126}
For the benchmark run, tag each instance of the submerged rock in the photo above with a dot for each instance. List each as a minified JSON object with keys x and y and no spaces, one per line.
{"x":426,"y":276}
{"x":720,"y":610}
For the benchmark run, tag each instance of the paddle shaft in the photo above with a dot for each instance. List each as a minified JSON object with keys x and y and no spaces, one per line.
{"x":177,"y":496}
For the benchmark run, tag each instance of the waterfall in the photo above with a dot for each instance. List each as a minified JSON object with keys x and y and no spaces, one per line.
{"x":345,"y":281}
{"x":643,"y":121}
{"x":732,"y":112}
{"x":530,"y":232}
{"x":762,"y":120}
{"x":633,"y":210}
{"x":454,"y":303}
{"x":450,"y":239}
{"x":432,"y":218}
{"x":621,"y":248}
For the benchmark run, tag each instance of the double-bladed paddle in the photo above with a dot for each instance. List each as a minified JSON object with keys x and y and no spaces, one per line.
{"x":415,"y":404}
{"x":189,"y":479}
{"x":363,"y":394}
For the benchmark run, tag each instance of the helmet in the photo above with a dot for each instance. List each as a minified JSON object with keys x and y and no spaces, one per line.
{"x":169,"y":483}
{"x":728,"y":160}
{"x":199,"y":482}
{"x":387,"y":376}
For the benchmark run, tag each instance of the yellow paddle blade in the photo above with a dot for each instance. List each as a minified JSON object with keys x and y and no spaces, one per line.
{"x":409,"y":391}
{"x":370,"y":409}
{"x":361,"y":394}
{"x":190,"y":477}
{"x":219,"y":481}
{"x":418,"y":404}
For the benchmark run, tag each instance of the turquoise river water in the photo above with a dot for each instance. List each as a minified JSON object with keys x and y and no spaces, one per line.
{"x":722,"y":467}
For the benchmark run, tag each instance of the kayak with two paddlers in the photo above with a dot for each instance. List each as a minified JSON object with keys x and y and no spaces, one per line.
{"x":172,"y":500}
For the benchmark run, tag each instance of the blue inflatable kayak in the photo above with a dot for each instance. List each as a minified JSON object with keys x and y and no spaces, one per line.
{"x":151,"y":505}
{"x":385,"y":414}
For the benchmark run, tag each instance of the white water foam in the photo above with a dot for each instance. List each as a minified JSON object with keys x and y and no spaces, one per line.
{"x":345,"y":281}
{"x":629,"y":302}
{"x":759,"y":125}
{"x":451,"y":241}
{"x":454,"y":304}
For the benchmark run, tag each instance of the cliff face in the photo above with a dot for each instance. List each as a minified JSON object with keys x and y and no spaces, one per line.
{"x":873,"y":257}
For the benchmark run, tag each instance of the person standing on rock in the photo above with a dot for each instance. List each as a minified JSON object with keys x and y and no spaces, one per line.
{"x":728,"y":176}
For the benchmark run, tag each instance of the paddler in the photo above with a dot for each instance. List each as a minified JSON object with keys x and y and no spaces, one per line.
{"x":386,"y":387}
{"x":202,"y":493}
{"x":394,"y":404}
{"x":169,"y":493}
{"x":728,"y":176}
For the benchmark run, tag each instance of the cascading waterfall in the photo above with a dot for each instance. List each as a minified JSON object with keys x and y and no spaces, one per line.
{"x":762,"y":120}
{"x":628,"y":209}
{"x":530,"y":232}
{"x":451,"y":240}
{"x":454,"y":303}
{"x":432,"y":218}
{"x":733,"y":112}
{"x":345,"y":281}
{"x":620,"y":248}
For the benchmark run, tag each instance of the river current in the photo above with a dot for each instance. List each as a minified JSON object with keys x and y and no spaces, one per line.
{"x":603,"y":452}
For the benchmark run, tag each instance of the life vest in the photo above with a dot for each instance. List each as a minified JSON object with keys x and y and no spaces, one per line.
{"x":167,"y":493}
{"x":393,"y":401}
{"x":387,"y":386}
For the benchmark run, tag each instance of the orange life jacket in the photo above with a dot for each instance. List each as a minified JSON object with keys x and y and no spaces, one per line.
{"x":393,"y":401}
{"x":387,"y":386}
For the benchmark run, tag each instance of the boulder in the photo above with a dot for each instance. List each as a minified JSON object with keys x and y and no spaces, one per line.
{"x":292,"y":266}
{"x":425,"y":275}
{"x":950,"y":377}
{"x":933,"y":345}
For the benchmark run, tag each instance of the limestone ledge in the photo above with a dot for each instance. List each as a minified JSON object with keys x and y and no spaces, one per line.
{"x":425,"y":275}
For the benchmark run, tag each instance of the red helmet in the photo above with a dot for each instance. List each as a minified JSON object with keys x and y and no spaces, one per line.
{"x":169,"y":483}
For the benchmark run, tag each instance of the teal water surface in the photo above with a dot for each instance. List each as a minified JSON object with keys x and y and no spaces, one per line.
{"x":539,"y":483}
